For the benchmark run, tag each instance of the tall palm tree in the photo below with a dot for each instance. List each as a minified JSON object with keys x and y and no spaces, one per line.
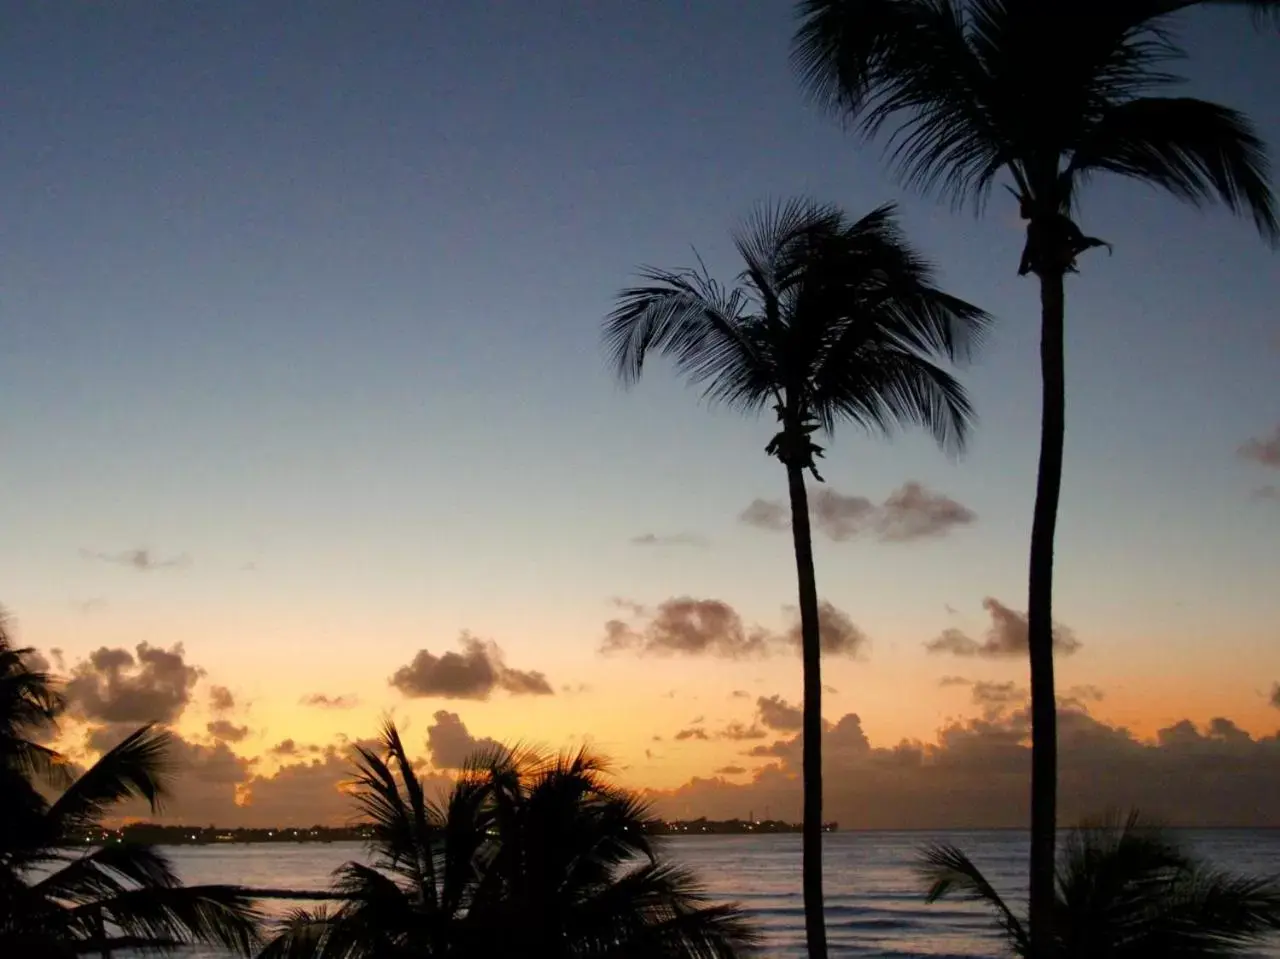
{"x":1044,"y":93}
{"x":1126,"y":890}
{"x":527,"y":853}
{"x":830,"y":320}
{"x":60,"y":898}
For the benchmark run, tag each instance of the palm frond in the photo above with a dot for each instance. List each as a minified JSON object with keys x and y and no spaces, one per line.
{"x":697,"y":323}
{"x":218,"y":915}
{"x":301,"y":934}
{"x":1196,"y":150}
{"x":106,"y":871}
{"x":135,"y":768}
{"x":660,"y":909}
{"x":948,"y":870}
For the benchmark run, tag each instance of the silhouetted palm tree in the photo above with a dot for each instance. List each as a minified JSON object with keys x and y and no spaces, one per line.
{"x":831,"y":320}
{"x":57,"y":900}
{"x":1048,"y":93}
{"x":1125,"y":890}
{"x":527,"y":855}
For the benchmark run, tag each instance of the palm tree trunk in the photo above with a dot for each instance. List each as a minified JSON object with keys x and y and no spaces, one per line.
{"x":815,"y":928}
{"x":1044,"y":713}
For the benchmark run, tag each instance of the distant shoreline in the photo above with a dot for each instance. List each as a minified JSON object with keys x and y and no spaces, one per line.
{"x":157,"y":835}
{"x":153,"y":834}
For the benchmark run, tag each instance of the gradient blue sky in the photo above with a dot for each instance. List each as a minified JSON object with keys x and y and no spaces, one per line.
{"x":318,"y":292}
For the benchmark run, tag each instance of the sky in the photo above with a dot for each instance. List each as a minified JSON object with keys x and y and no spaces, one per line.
{"x":305,"y":422}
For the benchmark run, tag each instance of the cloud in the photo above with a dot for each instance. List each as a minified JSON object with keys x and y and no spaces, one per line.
{"x":731,"y":771}
{"x":690,"y":627}
{"x":840,"y":517}
{"x":116,"y":686}
{"x":975,"y":775}
{"x":1275,"y":695}
{"x":221,"y":700}
{"x":837,"y":633}
{"x":766,"y":514}
{"x":324,"y":701}
{"x":946,"y":681}
{"x":687,"y":626}
{"x":741,"y":731}
{"x":1006,"y":637}
{"x":475,"y":673}
{"x":739,"y":694}
{"x":1265,"y":451}
{"x":776,"y":713}
{"x":142,"y":559}
{"x":224,"y":729}
{"x":671,"y":539}
{"x":693,"y":732}
{"x":451,"y":746}
{"x":911,"y":512}
{"x":1268,"y":492}
{"x":286,"y":747}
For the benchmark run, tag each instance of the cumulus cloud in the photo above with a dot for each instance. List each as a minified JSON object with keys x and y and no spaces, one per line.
{"x":224,"y":729}
{"x":776,"y":713}
{"x":221,"y":700}
{"x":116,"y":686}
{"x":693,"y":732}
{"x":911,"y":512}
{"x":324,"y":701}
{"x":474,"y":673}
{"x":838,"y":633}
{"x":451,"y":746}
{"x":1005,"y":638}
{"x":766,"y":514}
{"x":142,"y":559}
{"x":975,"y":775}
{"x":1263,"y":450}
{"x":687,"y":626}
{"x":669,"y":539}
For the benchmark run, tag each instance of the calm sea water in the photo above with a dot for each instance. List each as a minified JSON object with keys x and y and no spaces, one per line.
{"x":874,"y":902}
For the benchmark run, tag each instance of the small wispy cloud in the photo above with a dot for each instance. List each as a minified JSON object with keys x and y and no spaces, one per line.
{"x":142,"y":559}
{"x":670,"y":539}
{"x":1263,"y":450}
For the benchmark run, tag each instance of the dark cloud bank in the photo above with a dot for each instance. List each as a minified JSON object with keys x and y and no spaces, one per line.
{"x":976,"y":775}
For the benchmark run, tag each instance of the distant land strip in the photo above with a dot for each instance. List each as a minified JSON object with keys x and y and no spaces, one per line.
{"x":154,"y":834}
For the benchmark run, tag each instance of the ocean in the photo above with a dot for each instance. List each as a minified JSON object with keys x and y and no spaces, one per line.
{"x":874,"y":902}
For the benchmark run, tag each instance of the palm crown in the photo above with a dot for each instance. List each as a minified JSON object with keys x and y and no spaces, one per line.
{"x":1126,"y":890}
{"x":57,"y":900}
{"x":1051,"y":91}
{"x":529,"y":851}
{"x":831,"y":320}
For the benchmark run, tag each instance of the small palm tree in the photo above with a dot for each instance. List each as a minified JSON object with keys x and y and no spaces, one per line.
{"x":1125,"y":890}
{"x":831,"y":320}
{"x":529,"y":854}
{"x":58,"y":900}
{"x":1047,"y":93}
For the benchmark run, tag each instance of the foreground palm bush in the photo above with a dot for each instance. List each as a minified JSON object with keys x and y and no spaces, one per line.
{"x":1126,"y":890}
{"x":56,"y":900}
{"x":528,"y":854}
